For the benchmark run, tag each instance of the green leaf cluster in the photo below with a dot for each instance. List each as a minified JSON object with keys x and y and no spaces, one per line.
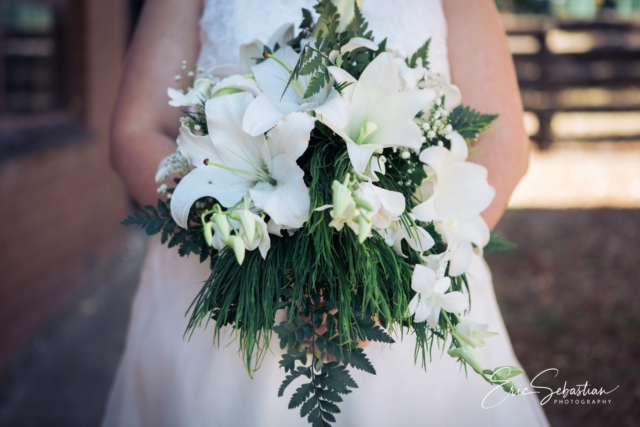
{"x":469,"y":122}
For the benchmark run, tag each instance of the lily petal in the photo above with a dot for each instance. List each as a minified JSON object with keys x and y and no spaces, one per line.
{"x":334,"y":110}
{"x":288,"y":201}
{"x":291,"y":135}
{"x":264,"y":113}
{"x":195,"y":148}
{"x":196,"y":184}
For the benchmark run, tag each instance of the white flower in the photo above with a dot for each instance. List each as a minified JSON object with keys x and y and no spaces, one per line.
{"x":439,"y":83}
{"x":354,"y":43}
{"x":387,"y":205}
{"x":417,"y":237}
{"x":253,"y":50}
{"x":473,"y":333}
{"x":379,"y":114}
{"x":431,"y":297}
{"x":198,"y":93}
{"x":409,"y":77}
{"x":469,"y":355}
{"x":173,"y":163}
{"x":454,"y":195}
{"x":230,"y":164}
{"x":275,"y":103}
{"x":235,"y":84}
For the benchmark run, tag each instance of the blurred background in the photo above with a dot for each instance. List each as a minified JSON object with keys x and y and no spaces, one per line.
{"x":569,"y":292}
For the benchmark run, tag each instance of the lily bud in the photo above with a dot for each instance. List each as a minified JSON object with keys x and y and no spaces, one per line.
{"x":469,"y":355}
{"x":362,"y":203}
{"x":208,"y":233}
{"x":341,"y":198}
{"x":505,"y":372}
{"x":223,"y":225}
{"x":364,"y":228}
{"x":248,"y":222}
{"x":237,"y":245}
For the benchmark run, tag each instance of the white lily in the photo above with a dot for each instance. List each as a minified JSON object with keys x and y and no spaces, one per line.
{"x":235,"y":84}
{"x":454,"y":194}
{"x":198,"y":93}
{"x":379,"y":114}
{"x":387,"y":205}
{"x":431,"y":297}
{"x":473,"y":333}
{"x":231,"y":164}
{"x":250,"y":52}
{"x":275,"y":103}
{"x":418,"y":238}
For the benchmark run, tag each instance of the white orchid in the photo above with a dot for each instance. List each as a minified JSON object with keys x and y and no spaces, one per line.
{"x":275,"y":103}
{"x":430,"y":296}
{"x":379,"y":114}
{"x":230,"y":164}
{"x":417,"y":237}
{"x":387,"y":205}
{"x":473,"y":333}
{"x":250,"y":52}
{"x":454,"y":194}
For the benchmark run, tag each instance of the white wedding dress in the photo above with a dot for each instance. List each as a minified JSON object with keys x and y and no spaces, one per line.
{"x":164,"y":380}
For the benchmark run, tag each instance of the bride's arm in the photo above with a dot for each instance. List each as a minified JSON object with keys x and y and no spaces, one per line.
{"x":482,"y":67}
{"x":144,"y":126}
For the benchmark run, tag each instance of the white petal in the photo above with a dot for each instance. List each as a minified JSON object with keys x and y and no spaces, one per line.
{"x":423,"y":280}
{"x":341,"y":76}
{"x":264,"y":113}
{"x":225,"y":70}
{"x":459,"y":148}
{"x":420,"y":240}
{"x":249,"y":52}
{"x":195,"y":148}
{"x":334,"y":109}
{"x":462,"y":191}
{"x":425,"y":309}
{"x":196,"y":184}
{"x":453,"y":302}
{"x":436,"y":157}
{"x":237,"y":82}
{"x":475,"y":230}
{"x":378,"y":82}
{"x":272,"y":77}
{"x":452,"y":97}
{"x":442,"y":285}
{"x":360,"y":155}
{"x":291,"y":135}
{"x":357,"y":42}
{"x":461,"y":258}
{"x":288,"y":201}
{"x":235,"y":147}
{"x":281,"y":36}
{"x":434,"y":316}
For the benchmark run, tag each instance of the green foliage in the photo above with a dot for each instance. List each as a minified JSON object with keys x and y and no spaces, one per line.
{"x":469,"y":122}
{"x":158,"y":219}
{"x":497,"y":243}
{"x":422,"y":53}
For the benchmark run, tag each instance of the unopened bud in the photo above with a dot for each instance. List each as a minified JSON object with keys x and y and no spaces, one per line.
{"x":208,"y":233}
{"x":237,"y":245}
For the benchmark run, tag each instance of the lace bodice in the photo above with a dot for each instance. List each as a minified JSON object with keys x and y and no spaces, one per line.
{"x":407,"y":24}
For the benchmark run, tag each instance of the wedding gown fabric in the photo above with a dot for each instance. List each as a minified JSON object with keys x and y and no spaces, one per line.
{"x":165,"y":380}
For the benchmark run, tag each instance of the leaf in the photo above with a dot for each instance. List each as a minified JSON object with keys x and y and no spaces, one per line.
{"x":469,"y":122}
{"x":309,"y":405}
{"x":376,"y":334}
{"x":329,"y":407}
{"x":301,"y":394}
{"x":287,"y":381}
{"x":317,"y":82}
{"x":329,"y":395}
{"x":422,"y":53}
{"x":359,"y":360}
{"x":307,"y":19}
{"x":497,"y":243}
{"x":328,"y":417}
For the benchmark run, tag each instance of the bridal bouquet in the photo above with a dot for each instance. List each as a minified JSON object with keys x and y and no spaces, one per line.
{"x":328,"y":176}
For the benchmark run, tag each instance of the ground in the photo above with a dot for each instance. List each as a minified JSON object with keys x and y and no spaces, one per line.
{"x":568,"y":293}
